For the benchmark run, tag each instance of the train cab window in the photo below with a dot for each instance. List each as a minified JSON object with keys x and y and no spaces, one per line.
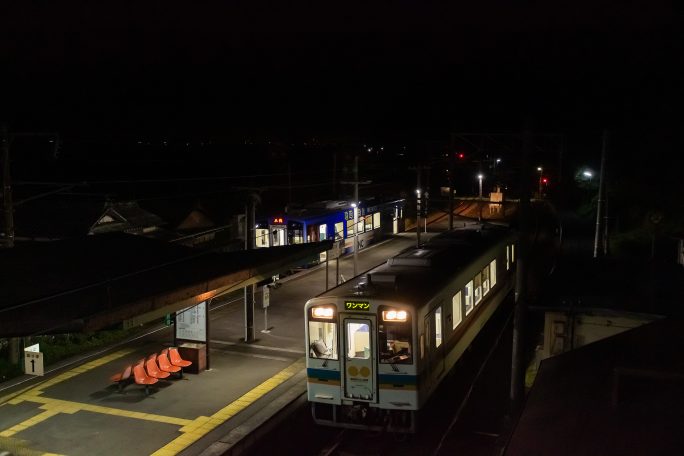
{"x":376,"y":220}
{"x":339,"y":231}
{"x":485,"y":280}
{"x":350,"y":228}
{"x":469,"y":297}
{"x":492,"y":273}
{"x":358,"y":340}
{"x":456,"y":306}
{"x":477,"y":283}
{"x":322,"y":339}
{"x":395,"y":338}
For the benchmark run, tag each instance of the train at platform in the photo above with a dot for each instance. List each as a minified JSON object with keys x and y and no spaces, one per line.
{"x":380,"y":344}
{"x":332,"y":220}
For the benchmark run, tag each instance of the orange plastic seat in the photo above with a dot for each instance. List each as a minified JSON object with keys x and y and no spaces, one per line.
{"x":176,"y":359}
{"x":122,"y":377}
{"x":141,"y":378}
{"x":165,"y":364}
{"x":153,"y":369}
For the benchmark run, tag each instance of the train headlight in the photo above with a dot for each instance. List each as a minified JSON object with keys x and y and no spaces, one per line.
{"x":394,"y":315}
{"x":323,"y":312}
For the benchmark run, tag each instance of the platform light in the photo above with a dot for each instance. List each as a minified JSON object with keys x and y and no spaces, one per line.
{"x":394,"y":315}
{"x":323,"y":312}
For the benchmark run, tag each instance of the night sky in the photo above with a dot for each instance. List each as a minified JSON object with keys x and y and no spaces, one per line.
{"x":402,"y":71}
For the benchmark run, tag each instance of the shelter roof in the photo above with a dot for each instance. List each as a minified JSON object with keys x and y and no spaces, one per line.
{"x":621,"y":395}
{"x":96,"y":281}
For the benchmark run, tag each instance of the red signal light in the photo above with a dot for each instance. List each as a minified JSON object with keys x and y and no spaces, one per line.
{"x":545,"y":181}
{"x":460,"y":155}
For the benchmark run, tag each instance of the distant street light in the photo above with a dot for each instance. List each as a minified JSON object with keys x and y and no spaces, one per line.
{"x":479,"y":178}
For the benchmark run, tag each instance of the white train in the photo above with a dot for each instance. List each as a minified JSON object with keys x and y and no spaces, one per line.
{"x":380,"y":344}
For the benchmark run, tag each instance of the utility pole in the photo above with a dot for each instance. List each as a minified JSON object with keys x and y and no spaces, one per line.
{"x":355,"y":205}
{"x":517,"y":390}
{"x":249,"y":245}
{"x":8,"y":210}
{"x":452,"y":165}
{"x":599,"y":206}
{"x":418,"y":208}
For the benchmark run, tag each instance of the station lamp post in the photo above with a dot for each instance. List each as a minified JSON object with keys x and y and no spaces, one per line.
{"x":539,"y":168}
{"x":418,"y":213}
{"x":479,"y":178}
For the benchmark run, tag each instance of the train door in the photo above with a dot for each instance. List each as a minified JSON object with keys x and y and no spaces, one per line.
{"x":359,"y":358}
{"x":434,"y":337}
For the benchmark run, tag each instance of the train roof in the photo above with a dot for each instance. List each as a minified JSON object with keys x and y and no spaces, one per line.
{"x":325,"y":208}
{"x":418,"y":273}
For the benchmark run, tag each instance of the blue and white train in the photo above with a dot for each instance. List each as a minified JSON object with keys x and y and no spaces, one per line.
{"x":332,"y":220}
{"x":380,"y":344}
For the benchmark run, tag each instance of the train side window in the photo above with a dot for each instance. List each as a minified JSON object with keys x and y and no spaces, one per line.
{"x":422,"y":346}
{"x":297,"y":236}
{"x":512,"y":253}
{"x":322,"y":339}
{"x":368,"y":221}
{"x":492,"y":273}
{"x":262,"y":237}
{"x":339,"y":230}
{"x":508,"y":257}
{"x":456,"y":306}
{"x":477,"y":283}
{"x":469,"y":297}
{"x":376,"y":220}
{"x":485,"y":280}
{"x":359,"y":226}
{"x":438,"y":327}
{"x":350,"y":228}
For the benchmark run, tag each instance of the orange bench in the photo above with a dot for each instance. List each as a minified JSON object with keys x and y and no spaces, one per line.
{"x":123,"y":377}
{"x":176,"y":359}
{"x":148,"y":371}
{"x":165,"y":364}
{"x":141,"y":377}
{"x":152,"y":367}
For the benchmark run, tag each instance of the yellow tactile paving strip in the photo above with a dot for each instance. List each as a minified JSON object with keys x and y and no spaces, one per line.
{"x":202,"y":425}
{"x":191,"y":430}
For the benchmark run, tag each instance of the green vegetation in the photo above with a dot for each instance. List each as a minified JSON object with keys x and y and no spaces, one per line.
{"x":58,"y":347}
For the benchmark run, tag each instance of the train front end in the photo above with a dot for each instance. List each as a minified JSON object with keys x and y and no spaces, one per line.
{"x":361,"y":369}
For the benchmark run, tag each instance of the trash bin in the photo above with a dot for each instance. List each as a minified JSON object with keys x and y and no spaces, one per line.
{"x":197,"y":353}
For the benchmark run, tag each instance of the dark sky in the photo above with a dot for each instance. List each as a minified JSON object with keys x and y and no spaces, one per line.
{"x":400,"y":68}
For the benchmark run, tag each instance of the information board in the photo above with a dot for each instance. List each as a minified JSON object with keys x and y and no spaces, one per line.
{"x":191,"y":323}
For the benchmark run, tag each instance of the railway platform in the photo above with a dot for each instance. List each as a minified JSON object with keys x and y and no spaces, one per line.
{"x":76,"y":409}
